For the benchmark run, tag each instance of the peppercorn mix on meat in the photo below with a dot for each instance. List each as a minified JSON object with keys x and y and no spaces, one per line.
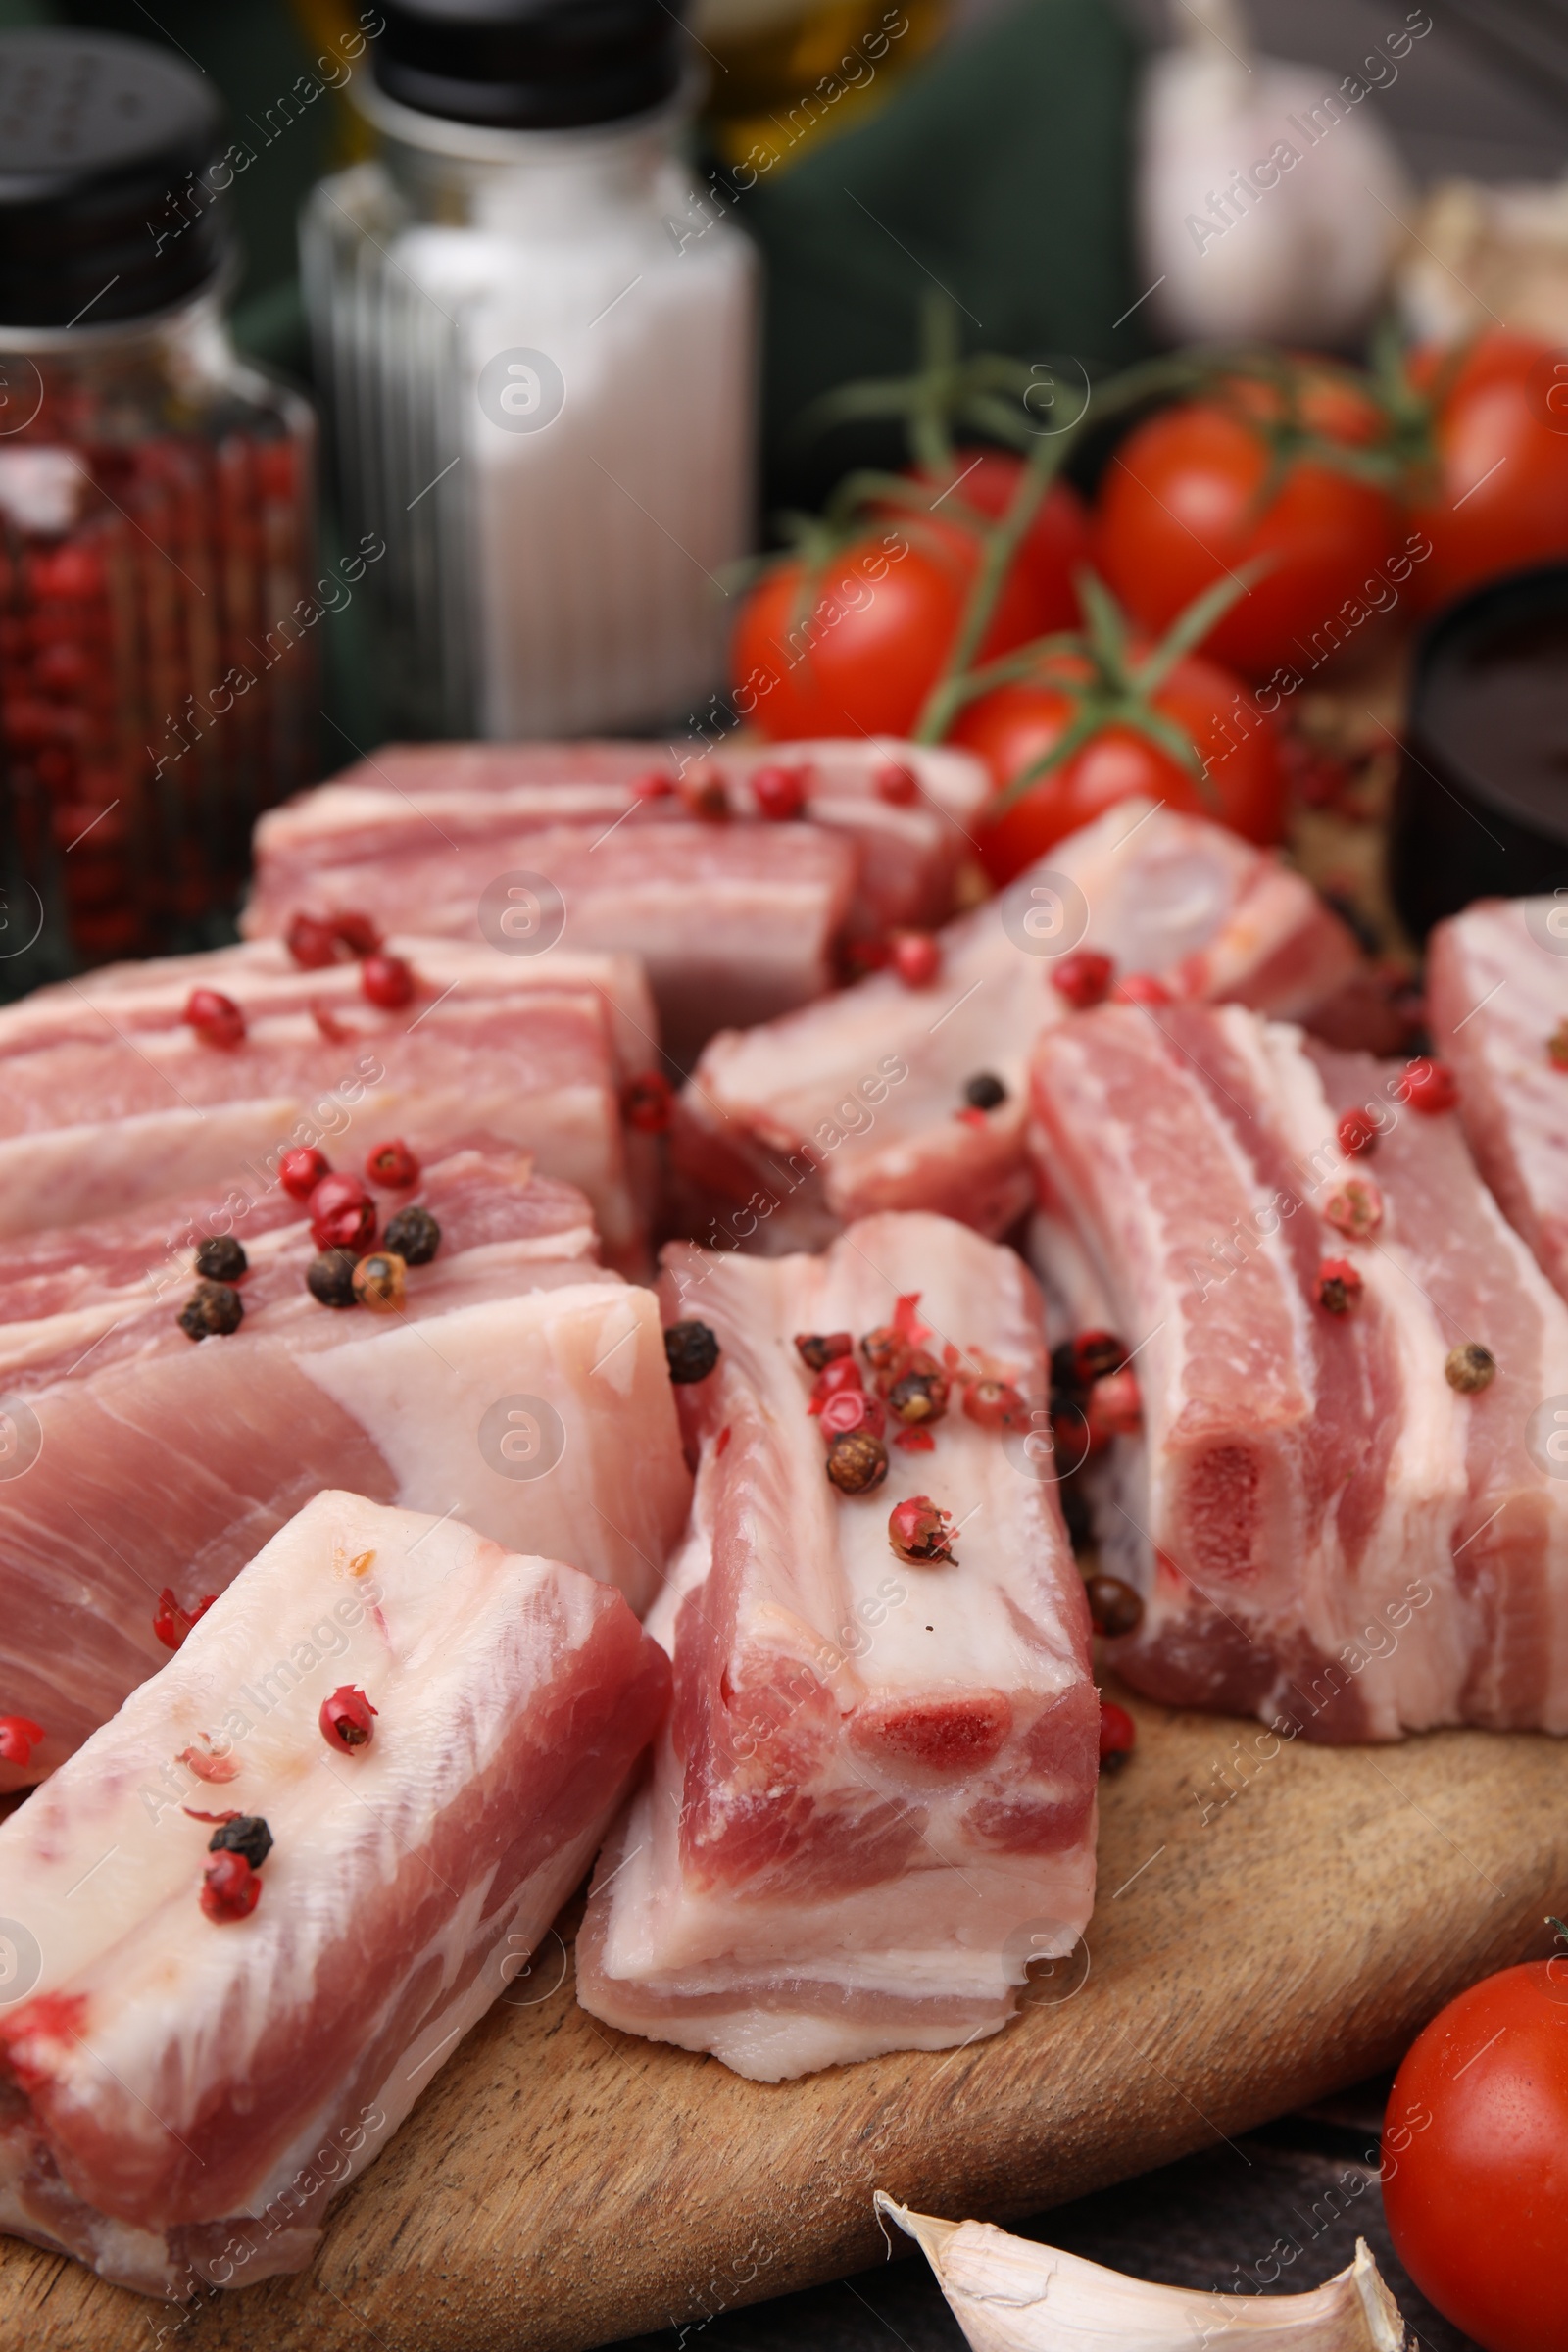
{"x":1334,"y":1511}
{"x":1498,"y":991}
{"x":510,"y":1379}
{"x":151,"y":1079}
{"x":736,"y":875}
{"x":287,"y":1930}
{"x":875,"y":1804}
{"x":864,"y":1103}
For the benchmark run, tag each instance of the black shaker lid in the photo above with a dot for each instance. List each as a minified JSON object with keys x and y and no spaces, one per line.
{"x":530,"y":65}
{"x":106,"y":209}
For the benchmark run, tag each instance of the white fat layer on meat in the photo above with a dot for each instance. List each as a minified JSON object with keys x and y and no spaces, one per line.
{"x":1157,"y":890}
{"x":972,"y":1299}
{"x":1417,"y":1683}
{"x":958,"y":1924}
{"x":1516,"y":998}
{"x":1552,"y":1378}
{"x":451,"y":1638}
{"x":953,"y":1944}
{"x":260,"y":971}
{"x":74,"y":1175}
{"x":594,"y":1353}
{"x":56,"y":1337}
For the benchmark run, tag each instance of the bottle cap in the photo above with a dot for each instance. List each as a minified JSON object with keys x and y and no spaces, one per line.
{"x":107,"y":209}
{"x":530,"y":65}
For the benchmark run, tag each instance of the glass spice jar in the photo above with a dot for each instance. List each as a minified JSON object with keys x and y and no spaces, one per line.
{"x":536,"y":349}
{"x":157,"y":669}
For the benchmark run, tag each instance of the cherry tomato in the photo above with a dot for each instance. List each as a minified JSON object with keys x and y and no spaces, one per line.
{"x":1474,"y":2160}
{"x":1056,"y":543}
{"x":1012,"y":726}
{"x":864,"y":655}
{"x":1181,"y":505}
{"x":1500,"y":498}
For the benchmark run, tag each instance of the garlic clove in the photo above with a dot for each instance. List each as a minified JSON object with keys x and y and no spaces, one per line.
{"x":1271,"y":199}
{"x":1009,"y":2294}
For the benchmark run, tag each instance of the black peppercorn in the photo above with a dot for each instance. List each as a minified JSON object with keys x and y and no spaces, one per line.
{"x":414,"y":1235}
{"x":247,"y":1833}
{"x":213,"y":1310}
{"x":220,"y":1258}
{"x":984,"y":1091}
{"x":330,"y":1278}
{"x":692,"y":1350}
{"x":1114,"y":1608}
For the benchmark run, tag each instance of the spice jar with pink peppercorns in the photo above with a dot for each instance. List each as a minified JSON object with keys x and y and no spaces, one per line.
{"x":156,"y":660}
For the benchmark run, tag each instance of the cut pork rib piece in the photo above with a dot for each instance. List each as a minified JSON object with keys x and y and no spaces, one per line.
{"x":744,"y":914}
{"x":857,"y":1104}
{"x":183,"y":2093}
{"x":1324,"y":1529}
{"x":876,"y":1801}
{"x":524,"y":1388}
{"x":108,"y":1099}
{"x":1497,"y":996}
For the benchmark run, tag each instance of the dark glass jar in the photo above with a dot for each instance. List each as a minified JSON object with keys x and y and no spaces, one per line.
{"x":157,"y":662}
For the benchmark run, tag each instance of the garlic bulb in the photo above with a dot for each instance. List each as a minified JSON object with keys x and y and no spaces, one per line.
{"x":1270,"y":200}
{"x":1010,"y":2295}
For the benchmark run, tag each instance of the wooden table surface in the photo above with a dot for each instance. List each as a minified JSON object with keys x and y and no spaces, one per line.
{"x":1273,"y":1922}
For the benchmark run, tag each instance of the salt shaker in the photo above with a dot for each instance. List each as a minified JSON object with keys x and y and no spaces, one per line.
{"x":156,"y":655}
{"x":537,"y":352}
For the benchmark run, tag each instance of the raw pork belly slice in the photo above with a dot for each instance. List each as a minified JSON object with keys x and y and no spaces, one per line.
{"x":1323,"y":1529}
{"x":109,"y":1099}
{"x":149,"y":1461}
{"x":743,"y":916}
{"x":876,"y":1801}
{"x":854,"y":1105}
{"x":1496,"y":994}
{"x":354,"y":839}
{"x":184,"y":2094}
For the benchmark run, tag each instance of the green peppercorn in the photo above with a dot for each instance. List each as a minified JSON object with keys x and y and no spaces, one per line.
{"x":692,"y":1351}
{"x":220,"y":1258}
{"x":330,"y":1278}
{"x":212,"y":1311}
{"x":414,"y":1235}
{"x":247,"y":1833}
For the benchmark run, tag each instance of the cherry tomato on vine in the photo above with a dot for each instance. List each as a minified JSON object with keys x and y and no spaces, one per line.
{"x":1493,"y":496}
{"x":856,"y":645}
{"x":1056,"y":545}
{"x":1013,"y":726}
{"x":1474,"y":2160}
{"x":1201,"y":490}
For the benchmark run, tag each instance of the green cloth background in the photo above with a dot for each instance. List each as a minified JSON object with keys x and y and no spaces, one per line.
{"x":1001,"y":172}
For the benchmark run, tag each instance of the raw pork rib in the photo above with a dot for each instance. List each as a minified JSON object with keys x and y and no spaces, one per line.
{"x":159,"y":1461}
{"x":109,"y":1099}
{"x":416,"y":834}
{"x":1496,"y":994}
{"x":184,"y":2095}
{"x":876,"y":1802}
{"x":854,"y":1105}
{"x":1323,"y":1529}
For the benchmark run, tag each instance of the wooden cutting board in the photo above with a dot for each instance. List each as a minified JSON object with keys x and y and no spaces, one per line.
{"x":1273,"y":1923}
